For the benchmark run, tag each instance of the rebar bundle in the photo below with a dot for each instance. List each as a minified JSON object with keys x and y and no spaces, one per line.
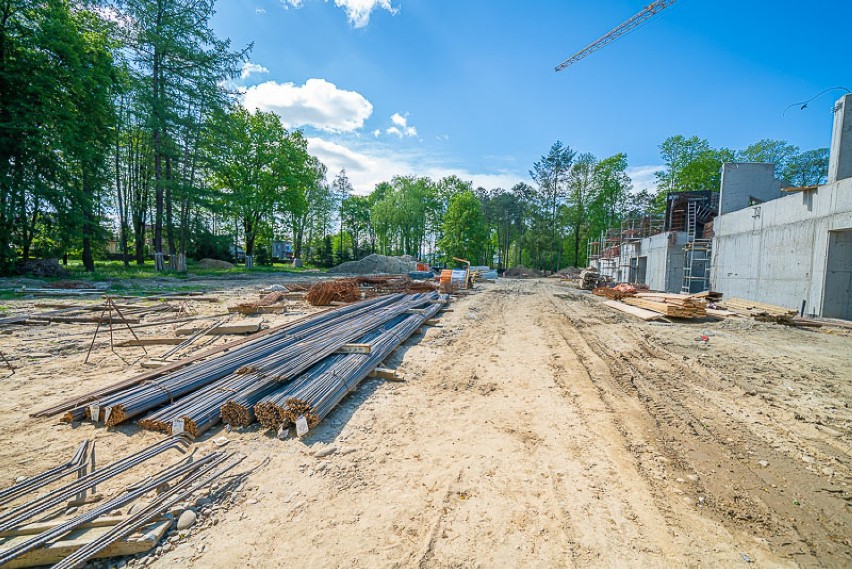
{"x":126,"y":404}
{"x":316,"y":392}
{"x":242,"y":388}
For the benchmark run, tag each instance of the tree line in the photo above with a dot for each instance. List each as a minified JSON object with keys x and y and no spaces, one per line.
{"x":119,"y":123}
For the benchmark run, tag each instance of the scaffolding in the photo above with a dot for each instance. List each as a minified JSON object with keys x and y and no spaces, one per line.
{"x":616,"y":248}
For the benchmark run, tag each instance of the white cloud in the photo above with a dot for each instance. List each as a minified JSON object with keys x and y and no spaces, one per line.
{"x":367,"y":166}
{"x":401,"y":127}
{"x":357,"y":11}
{"x":317,"y":103}
{"x":260,"y":10}
{"x":250,"y":68}
{"x":643,"y":177}
{"x":377,"y":133}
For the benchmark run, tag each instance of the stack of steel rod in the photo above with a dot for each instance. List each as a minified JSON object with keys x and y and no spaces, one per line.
{"x":180,"y":480}
{"x":316,"y":400}
{"x":201,"y":410}
{"x":316,"y":392}
{"x":36,"y":506}
{"x":126,"y":404}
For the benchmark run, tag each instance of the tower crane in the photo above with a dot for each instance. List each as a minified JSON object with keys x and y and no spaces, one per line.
{"x":625,"y":27}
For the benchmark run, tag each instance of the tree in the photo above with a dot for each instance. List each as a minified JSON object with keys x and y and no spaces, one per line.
{"x":464,"y":230}
{"x":768,"y":151}
{"x":250,"y":164}
{"x":580,"y":193}
{"x":355,"y":213}
{"x":807,"y":168}
{"x":551,"y":174}
{"x":342,"y":190}
{"x":180,"y":64}
{"x":691,"y":164}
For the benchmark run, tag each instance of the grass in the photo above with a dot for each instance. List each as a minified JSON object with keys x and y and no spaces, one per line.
{"x":116,"y":271}
{"x":107,"y":270}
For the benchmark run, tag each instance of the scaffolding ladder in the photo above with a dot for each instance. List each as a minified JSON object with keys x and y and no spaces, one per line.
{"x":696,"y":266}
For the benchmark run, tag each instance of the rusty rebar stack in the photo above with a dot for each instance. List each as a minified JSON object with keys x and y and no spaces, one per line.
{"x":339,"y":290}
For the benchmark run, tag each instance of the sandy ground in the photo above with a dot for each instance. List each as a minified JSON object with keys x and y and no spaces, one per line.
{"x":536,"y":428}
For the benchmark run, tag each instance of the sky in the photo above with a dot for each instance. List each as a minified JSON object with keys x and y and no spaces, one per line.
{"x":468,"y":87}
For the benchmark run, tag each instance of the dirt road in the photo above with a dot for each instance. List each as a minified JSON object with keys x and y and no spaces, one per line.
{"x":539,"y":429}
{"x":536,"y":428}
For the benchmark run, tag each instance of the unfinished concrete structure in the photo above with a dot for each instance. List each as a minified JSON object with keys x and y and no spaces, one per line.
{"x":795,"y":251}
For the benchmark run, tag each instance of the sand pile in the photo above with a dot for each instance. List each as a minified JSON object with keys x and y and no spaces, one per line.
{"x":377,"y":264}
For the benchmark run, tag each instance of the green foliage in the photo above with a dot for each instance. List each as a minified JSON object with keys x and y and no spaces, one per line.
{"x":807,"y":168}
{"x":464,"y":228}
{"x":691,"y":164}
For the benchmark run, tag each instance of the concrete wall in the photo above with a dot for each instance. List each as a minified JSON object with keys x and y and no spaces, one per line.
{"x":840,"y":160}
{"x":746,"y":180}
{"x":777,"y":252}
{"x":665,"y":260}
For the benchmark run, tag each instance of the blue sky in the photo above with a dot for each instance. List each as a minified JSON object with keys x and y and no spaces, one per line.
{"x":436,"y":87}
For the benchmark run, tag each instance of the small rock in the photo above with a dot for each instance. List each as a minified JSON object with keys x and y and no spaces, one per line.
{"x":221,"y":441}
{"x":808,"y":459}
{"x":206,"y":511}
{"x":325,"y":451}
{"x":283,"y":433}
{"x":186,"y":520}
{"x":763,"y":463}
{"x":701,"y":500}
{"x":168,"y":547}
{"x":320,"y":467}
{"x":251,"y":501}
{"x":70,"y":510}
{"x":202,"y":501}
{"x":176,"y":511}
{"x":20,"y":479}
{"x":692,"y":477}
{"x":680,"y":480}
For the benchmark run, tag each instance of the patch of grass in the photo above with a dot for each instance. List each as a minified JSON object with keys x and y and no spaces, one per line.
{"x":109,"y":270}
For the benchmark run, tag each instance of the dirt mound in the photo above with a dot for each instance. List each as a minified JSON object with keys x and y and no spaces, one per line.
{"x":42,"y":268}
{"x":215,"y":264}
{"x":521,"y":272}
{"x":377,"y":264}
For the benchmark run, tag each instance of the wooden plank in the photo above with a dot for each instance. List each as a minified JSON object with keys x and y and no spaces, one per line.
{"x":86,"y":319}
{"x":36,"y":528}
{"x":151,"y":342}
{"x":388,"y":374}
{"x":641,"y":313}
{"x":56,"y":551}
{"x":274,"y":309}
{"x":152,"y":365}
{"x":224,"y":330}
{"x":354,"y":349}
{"x":432,"y":322}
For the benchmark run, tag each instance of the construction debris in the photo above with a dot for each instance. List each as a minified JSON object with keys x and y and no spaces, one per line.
{"x":590,"y":279}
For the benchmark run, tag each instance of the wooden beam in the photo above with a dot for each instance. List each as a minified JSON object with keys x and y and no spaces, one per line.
{"x":640,"y":313}
{"x":387,"y":374}
{"x":56,"y":551}
{"x":224,"y":330}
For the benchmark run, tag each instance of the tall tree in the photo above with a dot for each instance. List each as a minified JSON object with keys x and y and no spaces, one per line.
{"x":580,"y":193}
{"x":768,"y":151}
{"x":250,"y":164}
{"x":551,"y":174}
{"x":807,"y":168}
{"x":691,"y":164}
{"x":464,"y":229}
{"x":178,"y":59}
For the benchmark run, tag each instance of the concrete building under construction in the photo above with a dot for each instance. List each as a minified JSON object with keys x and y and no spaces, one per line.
{"x":757,"y":238}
